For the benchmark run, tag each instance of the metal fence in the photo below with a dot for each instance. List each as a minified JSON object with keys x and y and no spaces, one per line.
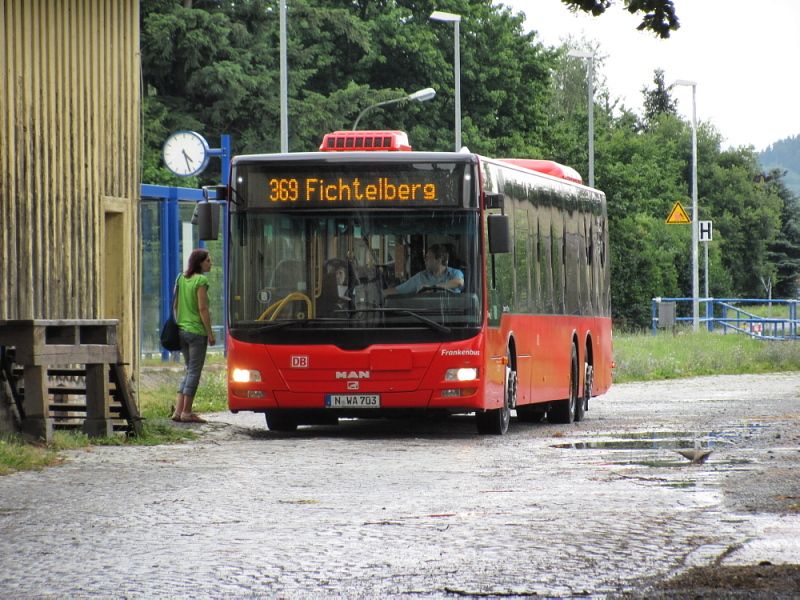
{"x":731,"y":315}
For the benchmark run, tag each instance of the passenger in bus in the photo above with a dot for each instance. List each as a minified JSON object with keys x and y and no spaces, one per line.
{"x":437,"y":274}
{"x":341,"y":283}
{"x":335,"y":293}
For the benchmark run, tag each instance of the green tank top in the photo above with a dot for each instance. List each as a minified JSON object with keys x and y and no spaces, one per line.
{"x":188,"y":317}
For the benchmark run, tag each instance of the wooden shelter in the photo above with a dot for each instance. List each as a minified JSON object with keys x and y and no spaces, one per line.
{"x":69,"y":163}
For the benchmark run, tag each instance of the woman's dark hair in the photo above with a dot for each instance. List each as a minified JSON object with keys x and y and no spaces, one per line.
{"x":195,"y":262}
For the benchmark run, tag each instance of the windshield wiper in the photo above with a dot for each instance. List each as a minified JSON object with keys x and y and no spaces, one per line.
{"x":273,"y":325}
{"x":404,"y":311}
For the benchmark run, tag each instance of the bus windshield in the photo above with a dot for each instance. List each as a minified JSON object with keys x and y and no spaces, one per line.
{"x":295,"y":274}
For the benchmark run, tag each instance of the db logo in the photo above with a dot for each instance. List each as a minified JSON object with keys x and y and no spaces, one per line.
{"x":352,"y":385}
{"x":299,"y":362}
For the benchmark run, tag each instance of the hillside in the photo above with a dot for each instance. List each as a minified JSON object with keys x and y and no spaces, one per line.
{"x":784,"y":154}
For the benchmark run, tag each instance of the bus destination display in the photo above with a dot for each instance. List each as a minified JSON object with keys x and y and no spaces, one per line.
{"x":353,"y":189}
{"x":320,"y":188}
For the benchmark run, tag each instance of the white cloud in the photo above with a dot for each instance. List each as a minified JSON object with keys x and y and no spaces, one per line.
{"x":743,"y":54}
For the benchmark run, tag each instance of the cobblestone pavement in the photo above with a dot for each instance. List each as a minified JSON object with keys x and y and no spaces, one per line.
{"x":420,"y":508}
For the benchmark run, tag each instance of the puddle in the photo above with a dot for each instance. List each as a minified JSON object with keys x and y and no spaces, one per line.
{"x":655,"y":435}
{"x":642,"y":444}
{"x":681,"y":484}
{"x":652,"y":440}
{"x":680,"y":462}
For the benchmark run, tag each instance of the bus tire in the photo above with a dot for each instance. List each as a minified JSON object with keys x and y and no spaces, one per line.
{"x":581,"y":400}
{"x":280,"y":420}
{"x":564,"y":411}
{"x":495,"y":421}
{"x":588,"y":381}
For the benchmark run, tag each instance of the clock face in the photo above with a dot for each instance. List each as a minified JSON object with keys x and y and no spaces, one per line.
{"x":186,"y":153}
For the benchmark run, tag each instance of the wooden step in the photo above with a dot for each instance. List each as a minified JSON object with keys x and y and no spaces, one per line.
{"x":114,"y":409}
{"x":120,"y":425}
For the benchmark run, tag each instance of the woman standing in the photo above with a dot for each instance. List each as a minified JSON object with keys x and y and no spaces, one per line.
{"x":190,"y":306}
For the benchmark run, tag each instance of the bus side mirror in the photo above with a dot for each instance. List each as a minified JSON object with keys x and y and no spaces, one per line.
{"x":493,"y":200}
{"x":215,"y":192}
{"x":499,"y":234}
{"x":206,"y":217}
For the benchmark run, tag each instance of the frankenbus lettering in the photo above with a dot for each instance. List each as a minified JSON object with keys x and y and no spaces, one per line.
{"x":467,"y":352}
{"x":315,"y":189}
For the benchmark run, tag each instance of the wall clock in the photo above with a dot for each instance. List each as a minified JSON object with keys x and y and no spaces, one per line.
{"x":186,"y":153}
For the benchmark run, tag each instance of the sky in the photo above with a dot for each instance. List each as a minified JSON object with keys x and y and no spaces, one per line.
{"x":742,"y":54}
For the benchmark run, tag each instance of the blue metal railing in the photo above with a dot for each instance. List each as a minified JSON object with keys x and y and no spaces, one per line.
{"x":728,"y":316}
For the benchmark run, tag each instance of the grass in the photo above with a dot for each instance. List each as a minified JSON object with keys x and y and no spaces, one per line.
{"x":639,"y":357}
{"x":645,"y":357}
{"x":157,"y":393}
{"x":156,"y":400}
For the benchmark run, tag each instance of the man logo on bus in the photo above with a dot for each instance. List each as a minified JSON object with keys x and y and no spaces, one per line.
{"x":352,"y":374}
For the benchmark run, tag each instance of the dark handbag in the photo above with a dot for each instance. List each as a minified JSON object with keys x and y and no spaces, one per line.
{"x":170,"y":332}
{"x":171,"y":335}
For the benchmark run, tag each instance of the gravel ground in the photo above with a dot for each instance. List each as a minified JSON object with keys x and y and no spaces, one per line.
{"x":605,"y":508}
{"x":763,"y":429}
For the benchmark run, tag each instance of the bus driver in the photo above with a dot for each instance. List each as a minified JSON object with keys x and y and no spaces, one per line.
{"x":435,"y":275}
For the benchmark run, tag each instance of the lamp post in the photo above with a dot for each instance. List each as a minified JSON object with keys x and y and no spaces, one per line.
{"x":447,"y":17}
{"x":284,"y":79}
{"x":590,"y":85}
{"x":420,"y":96}
{"x":695,"y":221}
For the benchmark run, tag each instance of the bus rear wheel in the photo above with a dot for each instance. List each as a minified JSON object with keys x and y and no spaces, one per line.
{"x":495,"y":421}
{"x":280,"y":420}
{"x":582,"y":403}
{"x":563,"y":411}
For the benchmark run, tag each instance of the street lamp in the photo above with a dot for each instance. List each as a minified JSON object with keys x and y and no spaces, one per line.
{"x":590,"y":85}
{"x":695,"y":221}
{"x":284,"y":82}
{"x":447,"y":17}
{"x":420,"y":96}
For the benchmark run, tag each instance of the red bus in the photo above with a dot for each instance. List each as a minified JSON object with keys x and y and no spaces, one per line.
{"x":322,"y":324}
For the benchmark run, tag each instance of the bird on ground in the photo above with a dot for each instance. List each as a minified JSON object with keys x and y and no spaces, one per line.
{"x":695,"y":455}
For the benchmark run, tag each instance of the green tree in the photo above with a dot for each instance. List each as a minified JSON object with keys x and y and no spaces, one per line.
{"x":658,"y":101}
{"x":641,"y":171}
{"x":565,"y":135}
{"x":212,"y":66}
{"x":658,"y":15}
{"x":646,"y":260}
{"x":784,"y":252}
{"x":746,"y":215}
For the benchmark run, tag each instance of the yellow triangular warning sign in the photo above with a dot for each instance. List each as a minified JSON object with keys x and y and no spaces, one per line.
{"x":677,"y":215}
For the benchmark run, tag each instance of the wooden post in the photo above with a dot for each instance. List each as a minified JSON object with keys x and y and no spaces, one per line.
{"x":37,"y":422}
{"x":98,"y":414}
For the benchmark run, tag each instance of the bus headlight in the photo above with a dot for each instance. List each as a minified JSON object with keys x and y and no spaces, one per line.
{"x":245,"y":375}
{"x":462,"y":374}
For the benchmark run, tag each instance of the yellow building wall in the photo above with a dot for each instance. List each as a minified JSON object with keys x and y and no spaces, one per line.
{"x":69,"y":162}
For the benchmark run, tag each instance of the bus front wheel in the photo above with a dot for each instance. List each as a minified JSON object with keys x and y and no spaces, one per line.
{"x":495,"y":421}
{"x":564,"y":410}
{"x":280,"y":420}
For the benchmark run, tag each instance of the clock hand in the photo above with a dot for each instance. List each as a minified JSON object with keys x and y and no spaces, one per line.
{"x":188,"y":160}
